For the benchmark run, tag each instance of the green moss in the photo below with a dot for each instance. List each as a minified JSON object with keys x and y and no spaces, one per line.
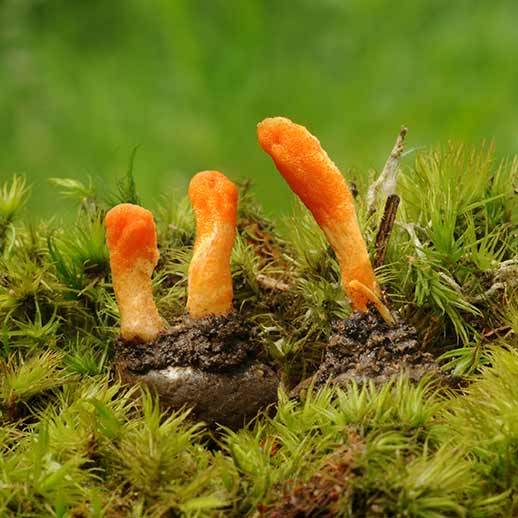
{"x":75,"y":442}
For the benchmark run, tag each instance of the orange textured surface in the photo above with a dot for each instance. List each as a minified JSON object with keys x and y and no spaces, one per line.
{"x":310,"y":173}
{"x":130,"y":234}
{"x":132,"y":242}
{"x":316,"y":180}
{"x":214,"y":200}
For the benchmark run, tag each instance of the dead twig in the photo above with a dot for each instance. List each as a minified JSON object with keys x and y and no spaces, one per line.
{"x":387,"y":180}
{"x":385,"y":229}
{"x":504,"y":277}
{"x":386,"y":185}
{"x":269,"y":283}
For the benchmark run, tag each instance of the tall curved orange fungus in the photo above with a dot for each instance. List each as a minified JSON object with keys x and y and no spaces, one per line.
{"x":214,"y":200}
{"x":316,"y":180}
{"x":132,"y":242}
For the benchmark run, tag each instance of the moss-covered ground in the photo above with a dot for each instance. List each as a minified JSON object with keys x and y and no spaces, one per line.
{"x":76,"y":442}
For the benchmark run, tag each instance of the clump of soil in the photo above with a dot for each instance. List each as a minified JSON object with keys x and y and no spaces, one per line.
{"x":210,"y":365}
{"x":364,"y":347}
{"x":214,"y":344}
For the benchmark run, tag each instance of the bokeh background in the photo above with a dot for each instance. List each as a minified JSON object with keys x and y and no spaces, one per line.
{"x":82,"y":82}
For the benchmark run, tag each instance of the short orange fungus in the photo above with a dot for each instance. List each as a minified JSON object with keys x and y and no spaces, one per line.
{"x":214,"y":200}
{"x":132,"y":242}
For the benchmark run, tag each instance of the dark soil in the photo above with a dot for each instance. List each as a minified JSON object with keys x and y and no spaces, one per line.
{"x":213,"y":344}
{"x":211,"y":366}
{"x":227,"y":398}
{"x":364,"y":347}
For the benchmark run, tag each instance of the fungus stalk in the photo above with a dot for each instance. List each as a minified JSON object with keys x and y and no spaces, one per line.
{"x":316,"y":180}
{"x":214,"y":200}
{"x":132,"y":242}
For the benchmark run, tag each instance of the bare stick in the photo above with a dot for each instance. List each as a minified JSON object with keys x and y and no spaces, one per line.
{"x":269,"y":283}
{"x":386,"y":182}
{"x":385,"y":229}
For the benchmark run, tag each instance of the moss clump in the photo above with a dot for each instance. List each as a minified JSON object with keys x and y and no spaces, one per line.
{"x":74,"y":441}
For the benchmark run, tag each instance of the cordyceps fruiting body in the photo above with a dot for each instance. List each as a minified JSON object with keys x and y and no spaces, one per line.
{"x":132,"y":242}
{"x":316,"y":180}
{"x":214,"y":200}
{"x":208,"y":361}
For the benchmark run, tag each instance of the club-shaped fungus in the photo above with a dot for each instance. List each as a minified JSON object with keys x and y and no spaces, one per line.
{"x":208,"y":361}
{"x":316,"y":180}
{"x":363,"y":346}
{"x":131,"y":239}
{"x":214,"y":200}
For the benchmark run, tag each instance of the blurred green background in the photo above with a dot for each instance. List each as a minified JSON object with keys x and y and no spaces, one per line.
{"x":83,"y":82}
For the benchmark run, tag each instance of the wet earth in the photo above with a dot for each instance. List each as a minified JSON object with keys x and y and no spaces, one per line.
{"x":212,"y":344}
{"x":364,"y":347}
{"x":215,"y":365}
{"x":212,"y":366}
